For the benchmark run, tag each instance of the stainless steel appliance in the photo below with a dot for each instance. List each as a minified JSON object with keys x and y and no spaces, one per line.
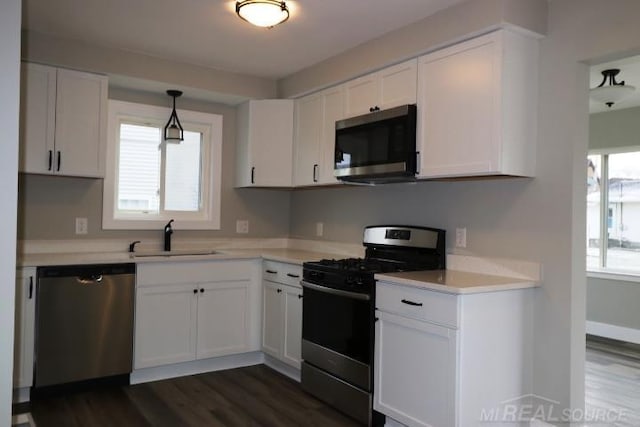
{"x":377,"y":147}
{"x":84,"y":323}
{"x":338,"y":314}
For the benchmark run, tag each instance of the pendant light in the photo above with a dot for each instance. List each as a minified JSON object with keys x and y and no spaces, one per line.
{"x":173,"y":131}
{"x":614,"y":91}
{"x":263,"y":13}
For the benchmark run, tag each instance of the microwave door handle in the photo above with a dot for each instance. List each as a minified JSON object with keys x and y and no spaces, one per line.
{"x":417,"y":163}
{"x":338,"y":292}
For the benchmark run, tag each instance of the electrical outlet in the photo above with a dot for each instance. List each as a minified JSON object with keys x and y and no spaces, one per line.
{"x":82,"y":225}
{"x":242,"y":226}
{"x":319,"y":229}
{"x":461,"y":237}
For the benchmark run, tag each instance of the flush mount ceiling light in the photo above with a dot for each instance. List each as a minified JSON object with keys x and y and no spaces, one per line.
{"x":614,"y":92}
{"x":173,"y":131}
{"x":263,"y":13}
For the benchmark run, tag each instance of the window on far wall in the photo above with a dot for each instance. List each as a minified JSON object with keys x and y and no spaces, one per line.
{"x":613,"y":212}
{"x":150,"y":181}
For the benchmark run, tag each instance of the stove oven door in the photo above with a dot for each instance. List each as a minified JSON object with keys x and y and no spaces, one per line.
{"x":337,"y":333}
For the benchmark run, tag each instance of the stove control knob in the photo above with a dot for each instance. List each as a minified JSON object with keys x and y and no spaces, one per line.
{"x":349,"y":281}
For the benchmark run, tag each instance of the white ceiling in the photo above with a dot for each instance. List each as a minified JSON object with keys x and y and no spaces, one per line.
{"x":208,"y":33}
{"x":629,"y":73}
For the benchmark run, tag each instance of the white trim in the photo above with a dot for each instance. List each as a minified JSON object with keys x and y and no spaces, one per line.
{"x":21,"y":395}
{"x":614,"y":275}
{"x":615,"y":332}
{"x":282,"y":367}
{"x":196,"y":367}
{"x":210,"y":125}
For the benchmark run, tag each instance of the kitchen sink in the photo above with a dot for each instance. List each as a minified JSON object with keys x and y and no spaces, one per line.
{"x":174,"y":253}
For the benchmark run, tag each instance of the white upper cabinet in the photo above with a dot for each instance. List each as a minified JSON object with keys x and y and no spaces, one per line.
{"x":265,"y":143}
{"x":63,"y":121}
{"x":308,"y":136}
{"x":387,"y":88}
{"x":477,"y":107}
{"x":316,"y":117}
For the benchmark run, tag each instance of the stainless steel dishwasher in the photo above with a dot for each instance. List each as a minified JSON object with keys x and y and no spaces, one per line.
{"x":84,"y":322}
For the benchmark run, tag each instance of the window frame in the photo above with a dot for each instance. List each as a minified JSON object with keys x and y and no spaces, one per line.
{"x":210,"y":125}
{"x":603,"y":271}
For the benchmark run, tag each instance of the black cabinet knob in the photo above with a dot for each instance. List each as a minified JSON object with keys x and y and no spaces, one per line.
{"x":201,"y":290}
{"x":279,"y":290}
{"x":195,"y":291}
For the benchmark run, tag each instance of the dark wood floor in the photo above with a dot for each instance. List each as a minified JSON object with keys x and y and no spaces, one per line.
{"x":252,"y":396}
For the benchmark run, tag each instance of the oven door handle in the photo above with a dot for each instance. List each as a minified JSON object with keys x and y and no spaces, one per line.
{"x":339,"y":292}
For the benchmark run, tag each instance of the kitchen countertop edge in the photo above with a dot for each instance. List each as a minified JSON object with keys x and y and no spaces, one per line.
{"x":456,"y":282}
{"x":290,"y":256}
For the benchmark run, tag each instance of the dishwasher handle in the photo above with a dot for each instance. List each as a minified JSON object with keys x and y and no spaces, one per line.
{"x":89,"y":280}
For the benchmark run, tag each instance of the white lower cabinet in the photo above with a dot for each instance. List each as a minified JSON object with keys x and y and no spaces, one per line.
{"x":282,"y":312}
{"x":415,"y":365}
{"x":445,"y":360}
{"x":194,"y":310}
{"x":24,"y":327}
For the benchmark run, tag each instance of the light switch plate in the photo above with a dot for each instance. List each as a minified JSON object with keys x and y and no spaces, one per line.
{"x":319,"y":229}
{"x":82,"y":225}
{"x":242,"y":226}
{"x":461,"y":237}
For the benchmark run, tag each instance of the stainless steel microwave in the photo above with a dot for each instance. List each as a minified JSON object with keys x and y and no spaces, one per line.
{"x":377,"y":147}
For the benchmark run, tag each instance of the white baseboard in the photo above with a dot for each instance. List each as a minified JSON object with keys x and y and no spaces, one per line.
{"x":21,"y":395}
{"x":282,"y":367}
{"x":196,"y":367}
{"x":615,"y":332}
{"x":540,"y":423}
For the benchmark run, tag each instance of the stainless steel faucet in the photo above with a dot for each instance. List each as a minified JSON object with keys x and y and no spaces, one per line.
{"x":168,"y":231}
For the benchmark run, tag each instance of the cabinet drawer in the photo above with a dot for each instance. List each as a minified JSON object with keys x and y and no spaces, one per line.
{"x":417,"y":303}
{"x":281,"y":272}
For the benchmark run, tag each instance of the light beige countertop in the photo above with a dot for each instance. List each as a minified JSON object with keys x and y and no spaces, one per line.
{"x":292,"y":256}
{"x":456,"y":282}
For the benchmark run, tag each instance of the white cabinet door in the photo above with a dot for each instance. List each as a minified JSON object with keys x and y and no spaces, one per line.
{"x":165,"y":325}
{"x":333,"y":110}
{"x":265,"y":143}
{"x":308,"y":136}
{"x":477,"y":108}
{"x":223,"y":318}
{"x":24,"y":328}
{"x":362,"y":94}
{"x":63,"y":121}
{"x":398,"y":84}
{"x":387,"y":88}
{"x":316,"y":117}
{"x":37,"y":118}
{"x":292,"y":313}
{"x":458,"y":103}
{"x":415,"y":371}
{"x":81,"y":112}
{"x":272,"y":332}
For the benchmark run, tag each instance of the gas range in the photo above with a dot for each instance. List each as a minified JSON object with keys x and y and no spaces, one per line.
{"x":339,"y":312}
{"x":352,"y":274}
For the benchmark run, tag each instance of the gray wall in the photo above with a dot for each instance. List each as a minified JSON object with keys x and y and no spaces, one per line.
{"x":444,"y":27}
{"x":9,"y":101}
{"x":615,"y":129}
{"x":541,"y":219}
{"x":48,"y":205}
{"x":614,"y":302}
{"x":142,"y":69}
